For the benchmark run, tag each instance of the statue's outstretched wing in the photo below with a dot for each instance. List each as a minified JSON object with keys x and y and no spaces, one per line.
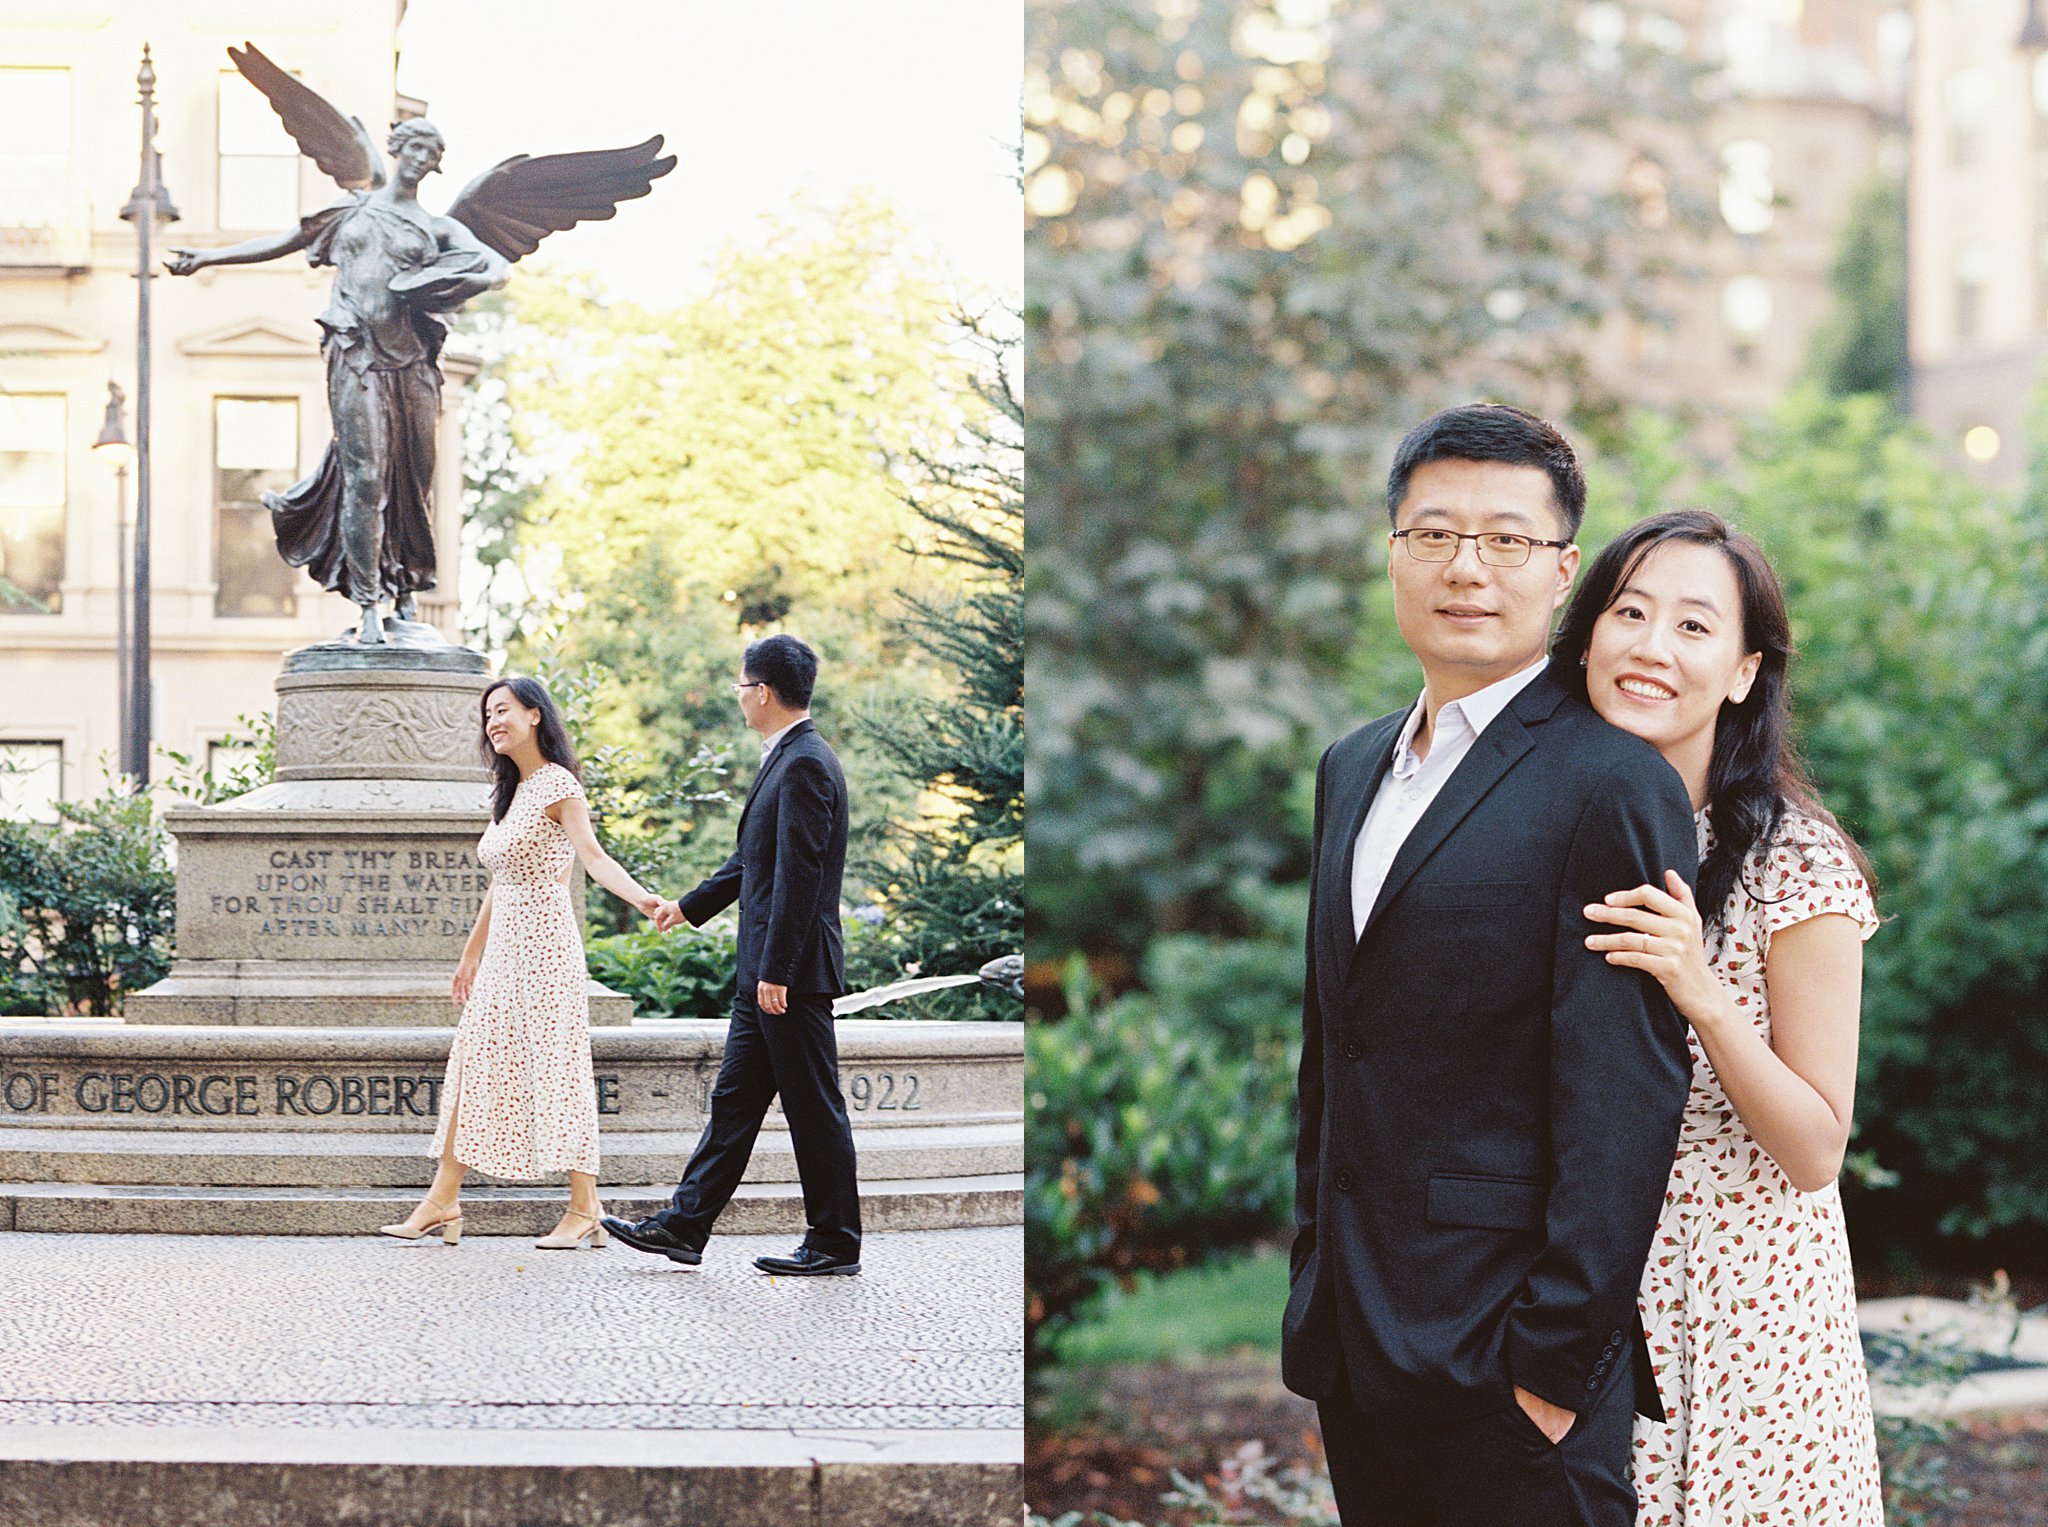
{"x":340,"y":145}
{"x":518,"y":202}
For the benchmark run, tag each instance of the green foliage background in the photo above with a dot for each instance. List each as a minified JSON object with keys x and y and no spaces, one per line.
{"x":1211,"y":415}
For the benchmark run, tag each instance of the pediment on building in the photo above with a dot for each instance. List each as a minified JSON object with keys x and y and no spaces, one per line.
{"x":251,"y":337}
{"x":47,"y":339}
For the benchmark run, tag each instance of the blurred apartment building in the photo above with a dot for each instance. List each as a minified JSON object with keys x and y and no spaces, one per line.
{"x":238,"y":391}
{"x":1808,"y":111}
{"x":1977,"y":224}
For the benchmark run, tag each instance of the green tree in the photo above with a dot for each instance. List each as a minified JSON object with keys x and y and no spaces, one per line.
{"x":1862,"y":345}
{"x":956,"y":874}
{"x":657,"y":488}
{"x":1256,"y":250}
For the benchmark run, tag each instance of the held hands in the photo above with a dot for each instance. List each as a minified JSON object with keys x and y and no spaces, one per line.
{"x":666,"y":914}
{"x":1665,"y":938}
{"x":1551,"y":1420}
{"x":465,"y":980}
{"x":650,"y":906}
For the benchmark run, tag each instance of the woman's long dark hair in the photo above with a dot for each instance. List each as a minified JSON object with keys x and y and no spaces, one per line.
{"x":1755,"y":771}
{"x":550,"y":734}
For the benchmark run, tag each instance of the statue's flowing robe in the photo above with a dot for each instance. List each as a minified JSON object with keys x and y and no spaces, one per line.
{"x":362,"y":522}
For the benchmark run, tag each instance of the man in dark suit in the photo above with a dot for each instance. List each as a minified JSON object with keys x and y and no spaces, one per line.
{"x":786,"y":875}
{"x":1489,"y":1110}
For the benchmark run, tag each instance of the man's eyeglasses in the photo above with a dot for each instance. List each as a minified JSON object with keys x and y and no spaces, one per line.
{"x":1500,"y":550}
{"x":749,"y":684}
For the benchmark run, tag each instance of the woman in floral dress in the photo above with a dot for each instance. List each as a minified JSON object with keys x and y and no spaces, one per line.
{"x":519,"y":1101}
{"x":1680,"y":636}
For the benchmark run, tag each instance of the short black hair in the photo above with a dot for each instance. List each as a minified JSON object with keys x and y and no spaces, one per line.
{"x":786,"y":666}
{"x":1493,"y":432}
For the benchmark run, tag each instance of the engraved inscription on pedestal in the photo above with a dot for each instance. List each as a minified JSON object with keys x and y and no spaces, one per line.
{"x":314,"y":897}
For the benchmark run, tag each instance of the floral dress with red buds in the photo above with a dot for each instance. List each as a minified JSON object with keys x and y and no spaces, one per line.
{"x":519,"y":1084}
{"x":1748,"y":1299}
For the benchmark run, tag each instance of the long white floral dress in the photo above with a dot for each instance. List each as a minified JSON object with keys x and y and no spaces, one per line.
{"x":519,"y":1085}
{"x":1748,"y":1298}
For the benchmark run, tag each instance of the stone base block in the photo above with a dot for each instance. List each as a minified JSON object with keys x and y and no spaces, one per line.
{"x":328,"y":1159}
{"x":777,"y":1208}
{"x":99,"y":1477}
{"x":258,"y":993}
{"x":650,"y":1075}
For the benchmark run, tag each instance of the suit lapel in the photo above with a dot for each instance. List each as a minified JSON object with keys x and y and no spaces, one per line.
{"x":1498,"y":749}
{"x":1348,"y":808}
{"x":773,"y":763}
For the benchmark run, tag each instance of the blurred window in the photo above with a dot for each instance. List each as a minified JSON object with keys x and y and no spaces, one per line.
{"x":1973,"y":275}
{"x":259,"y":163}
{"x":255,"y":450}
{"x":35,"y":146}
{"x":31,"y":780}
{"x":1963,"y":103}
{"x":1747,"y":192}
{"x":31,"y":502}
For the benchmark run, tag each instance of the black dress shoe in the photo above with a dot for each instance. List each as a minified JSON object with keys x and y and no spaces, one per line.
{"x":651,"y":1235}
{"x":808,"y":1262}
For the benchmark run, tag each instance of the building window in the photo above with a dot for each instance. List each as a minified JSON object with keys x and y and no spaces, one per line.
{"x":1963,"y":102}
{"x":31,"y":503}
{"x":1746,"y":309}
{"x":1748,"y":196}
{"x":228,"y":758}
{"x":1973,"y":275}
{"x":255,"y":450}
{"x":259,"y":163}
{"x":31,"y":780}
{"x":35,"y":147}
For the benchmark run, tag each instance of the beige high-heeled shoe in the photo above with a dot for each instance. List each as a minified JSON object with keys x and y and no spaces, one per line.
{"x":450,"y":1226}
{"x":562,"y":1240}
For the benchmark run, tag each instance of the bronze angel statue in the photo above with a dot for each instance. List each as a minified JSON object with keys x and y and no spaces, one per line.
{"x":362,"y":523}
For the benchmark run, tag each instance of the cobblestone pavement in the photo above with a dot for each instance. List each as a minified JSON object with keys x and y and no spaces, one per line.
{"x":493,"y":1335}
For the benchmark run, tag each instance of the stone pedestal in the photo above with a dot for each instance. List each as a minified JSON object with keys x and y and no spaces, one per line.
{"x":342,"y":893}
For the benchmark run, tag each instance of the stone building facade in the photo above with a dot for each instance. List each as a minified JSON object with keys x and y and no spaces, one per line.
{"x":239,"y":401}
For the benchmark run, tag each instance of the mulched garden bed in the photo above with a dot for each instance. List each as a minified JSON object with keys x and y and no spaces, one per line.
{"x":1108,"y":1440}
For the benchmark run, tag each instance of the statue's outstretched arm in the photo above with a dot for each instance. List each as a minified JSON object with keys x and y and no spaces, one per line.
{"x":249,"y":252}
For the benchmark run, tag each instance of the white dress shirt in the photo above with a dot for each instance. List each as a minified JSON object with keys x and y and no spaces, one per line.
{"x":1412,"y":783}
{"x":768,"y":743}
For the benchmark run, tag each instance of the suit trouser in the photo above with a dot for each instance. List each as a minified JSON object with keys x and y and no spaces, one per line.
{"x":1495,"y":1470}
{"x":796,"y":1055}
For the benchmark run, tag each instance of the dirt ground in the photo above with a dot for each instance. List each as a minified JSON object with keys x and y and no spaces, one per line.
{"x":1109,"y":1443}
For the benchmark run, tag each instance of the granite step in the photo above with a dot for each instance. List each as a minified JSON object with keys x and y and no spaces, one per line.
{"x":762,"y":1208}
{"x":326,"y":1158}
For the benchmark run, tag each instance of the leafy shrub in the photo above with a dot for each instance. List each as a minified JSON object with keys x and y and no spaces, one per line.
{"x":1161,"y":1123}
{"x":689,"y":974}
{"x":86,"y":907}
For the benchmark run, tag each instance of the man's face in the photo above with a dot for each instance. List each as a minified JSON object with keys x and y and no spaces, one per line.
{"x":753,"y":697}
{"x":1469,"y":622}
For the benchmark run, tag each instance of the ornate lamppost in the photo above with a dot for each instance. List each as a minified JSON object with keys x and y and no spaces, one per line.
{"x":149,"y":205}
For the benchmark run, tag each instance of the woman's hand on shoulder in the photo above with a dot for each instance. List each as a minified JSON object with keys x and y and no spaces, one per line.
{"x":1660,"y":931}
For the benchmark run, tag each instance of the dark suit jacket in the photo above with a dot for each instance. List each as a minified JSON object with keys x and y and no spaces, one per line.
{"x":786,"y":872}
{"x":1489,"y":1110}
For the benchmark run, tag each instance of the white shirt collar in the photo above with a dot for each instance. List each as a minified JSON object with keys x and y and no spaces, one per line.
{"x":768,"y":743}
{"x":1477,"y":711}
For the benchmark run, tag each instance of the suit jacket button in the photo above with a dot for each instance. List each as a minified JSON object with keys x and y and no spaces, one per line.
{"x":1345,"y":1180}
{"x":1353,"y":1049}
{"x":1593,"y":1382}
{"x":1615,"y":1337}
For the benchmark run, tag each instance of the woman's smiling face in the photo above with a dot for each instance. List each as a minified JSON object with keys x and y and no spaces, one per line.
{"x":507,"y":723}
{"x":1668,"y":652}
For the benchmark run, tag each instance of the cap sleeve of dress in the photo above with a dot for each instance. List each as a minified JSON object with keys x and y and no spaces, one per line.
{"x":551,"y":783}
{"x":1807,"y":871}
